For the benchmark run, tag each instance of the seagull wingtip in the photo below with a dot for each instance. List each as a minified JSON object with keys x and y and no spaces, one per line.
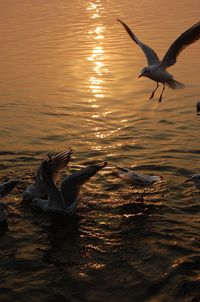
{"x":119,"y":20}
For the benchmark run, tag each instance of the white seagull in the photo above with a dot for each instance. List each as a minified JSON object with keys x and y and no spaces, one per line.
{"x":59,"y":161}
{"x":196,"y":179}
{"x":5,"y":188}
{"x":138,"y":179}
{"x":156,"y":69}
{"x":65,"y":199}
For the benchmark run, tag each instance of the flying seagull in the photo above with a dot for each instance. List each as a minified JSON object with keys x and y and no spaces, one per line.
{"x":63,"y":200}
{"x":156,"y":69}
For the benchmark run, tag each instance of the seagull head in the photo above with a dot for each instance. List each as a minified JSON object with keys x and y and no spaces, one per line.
{"x":145,"y":72}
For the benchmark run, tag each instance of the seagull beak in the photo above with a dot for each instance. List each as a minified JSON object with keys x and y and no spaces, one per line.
{"x":140,"y":76}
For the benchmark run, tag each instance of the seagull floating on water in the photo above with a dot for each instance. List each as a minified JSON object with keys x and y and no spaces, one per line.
{"x":156,"y":69}
{"x":5,"y":188}
{"x":59,"y":161}
{"x":65,"y":199}
{"x":138,"y":179}
{"x":196,"y":179}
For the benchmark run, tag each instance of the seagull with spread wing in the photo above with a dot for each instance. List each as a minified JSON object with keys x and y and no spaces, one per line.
{"x":156,"y":69}
{"x":59,"y":161}
{"x":63,"y":200}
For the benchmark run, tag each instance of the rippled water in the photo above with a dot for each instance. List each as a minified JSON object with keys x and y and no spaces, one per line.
{"x":69,"y":78}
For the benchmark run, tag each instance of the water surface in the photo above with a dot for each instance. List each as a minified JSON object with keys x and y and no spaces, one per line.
{"x":69,"y":78}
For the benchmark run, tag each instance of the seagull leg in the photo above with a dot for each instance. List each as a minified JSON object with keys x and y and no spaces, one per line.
{"x":160,"y":98}
{"x":152,"y":95}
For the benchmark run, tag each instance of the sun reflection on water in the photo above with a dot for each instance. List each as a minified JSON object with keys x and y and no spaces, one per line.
{"x":97,"y":58}
{"x":96,"y":8}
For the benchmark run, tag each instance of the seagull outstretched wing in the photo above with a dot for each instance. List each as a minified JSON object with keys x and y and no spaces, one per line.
{"x":58,"y":162}
{"x":55,"y":199}
{"x":150,"y":54}
{"x":72,"y":184}
{"x":190,"y":36}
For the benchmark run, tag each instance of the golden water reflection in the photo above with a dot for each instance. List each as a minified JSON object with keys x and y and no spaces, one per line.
{"x":96,"y":8}
{"x":96,"y":86}
{"x":97,"y":55}
{"x":97,"y":58}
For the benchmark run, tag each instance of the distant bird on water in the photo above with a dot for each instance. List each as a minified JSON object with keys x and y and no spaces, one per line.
{"x":63,"y":200}
{"x":138,"y":179}
{"x":5,"y":188}
{"x":156,"y":69}
{"x":196,"y":179}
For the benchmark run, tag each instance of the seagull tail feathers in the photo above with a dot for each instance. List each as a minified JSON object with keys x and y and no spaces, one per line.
{"x":175,"y":84}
